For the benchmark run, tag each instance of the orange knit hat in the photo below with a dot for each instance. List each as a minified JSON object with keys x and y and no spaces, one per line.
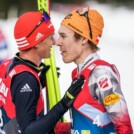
{"x":86,"y":22}
{"x":31,"y":28}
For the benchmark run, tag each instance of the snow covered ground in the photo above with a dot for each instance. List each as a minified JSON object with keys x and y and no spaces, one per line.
{"x":117,"y":46}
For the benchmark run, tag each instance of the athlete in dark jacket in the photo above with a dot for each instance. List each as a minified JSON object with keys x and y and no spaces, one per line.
{"x":21,"y":103}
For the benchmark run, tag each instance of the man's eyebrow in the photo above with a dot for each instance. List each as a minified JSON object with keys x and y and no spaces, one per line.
{"x":61,"y":33}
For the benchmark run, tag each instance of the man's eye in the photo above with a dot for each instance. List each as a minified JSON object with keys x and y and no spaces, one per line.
{"x":63,"y":36}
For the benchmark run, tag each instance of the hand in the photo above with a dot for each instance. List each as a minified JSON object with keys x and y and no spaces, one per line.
{"x":63,"y":128}
{"x":42,"y":74}
{"x":72,"y":92}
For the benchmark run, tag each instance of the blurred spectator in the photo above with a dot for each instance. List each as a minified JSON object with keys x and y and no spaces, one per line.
{"x":3,"y":47}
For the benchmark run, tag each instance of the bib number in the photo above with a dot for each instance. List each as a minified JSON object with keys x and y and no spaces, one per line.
{"x":1,"y":119}
{"x":97,"y":120}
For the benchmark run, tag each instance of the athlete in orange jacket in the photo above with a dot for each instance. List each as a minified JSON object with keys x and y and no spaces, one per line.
{"x":100,"y":108}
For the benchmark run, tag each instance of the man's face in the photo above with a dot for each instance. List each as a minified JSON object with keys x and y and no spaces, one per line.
{"x":44,"y":47}
{"x":71,"y":49}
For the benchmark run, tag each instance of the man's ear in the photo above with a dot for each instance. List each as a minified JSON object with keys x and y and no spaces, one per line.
{"x":36,"y":46}
{"x":84,"y":40}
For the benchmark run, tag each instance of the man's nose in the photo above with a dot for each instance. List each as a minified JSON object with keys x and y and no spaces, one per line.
{"x":58,"y":42}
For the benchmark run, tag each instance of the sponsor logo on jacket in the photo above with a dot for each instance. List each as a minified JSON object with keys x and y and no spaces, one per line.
{"x":111,"y":99}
